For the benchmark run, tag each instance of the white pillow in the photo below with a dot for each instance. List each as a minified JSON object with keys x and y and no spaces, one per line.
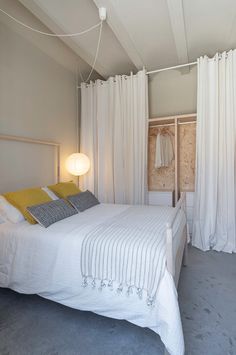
{"x":9,"y":212}
{"x":50,"y":193}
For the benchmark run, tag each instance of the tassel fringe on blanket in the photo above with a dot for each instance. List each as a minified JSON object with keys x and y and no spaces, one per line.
{"x":128,"y":250}
{"x":120,"y":289}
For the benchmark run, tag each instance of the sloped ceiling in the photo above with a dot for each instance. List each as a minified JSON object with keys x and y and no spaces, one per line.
{"x":150,"y":33}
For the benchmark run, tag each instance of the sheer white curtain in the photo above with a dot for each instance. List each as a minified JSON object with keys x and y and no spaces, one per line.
{"x":215,"y":205}
{"x":114,"y":136}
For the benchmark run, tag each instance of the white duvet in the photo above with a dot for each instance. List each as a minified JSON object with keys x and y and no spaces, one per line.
{"x":35,"y":260}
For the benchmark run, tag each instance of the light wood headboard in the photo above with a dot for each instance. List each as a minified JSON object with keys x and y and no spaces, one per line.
{"x":27,"y":162}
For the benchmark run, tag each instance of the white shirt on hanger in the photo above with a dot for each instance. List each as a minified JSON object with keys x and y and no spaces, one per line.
{"x":164,"y":151}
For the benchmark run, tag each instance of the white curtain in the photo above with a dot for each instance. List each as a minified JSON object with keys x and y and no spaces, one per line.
{"x":114,"y":136}
{"x":215,"y":206}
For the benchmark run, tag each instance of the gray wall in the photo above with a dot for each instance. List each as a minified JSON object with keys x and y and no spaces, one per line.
{"x":173,"y":92}
{"x":37,"y":85}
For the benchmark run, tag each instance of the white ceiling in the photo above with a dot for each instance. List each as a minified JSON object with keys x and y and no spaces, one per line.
{"x":150,"y":33}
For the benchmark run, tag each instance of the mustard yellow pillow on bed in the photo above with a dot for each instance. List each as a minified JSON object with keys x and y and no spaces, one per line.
{"x":64,"y":189}
{"x":25,"y":198}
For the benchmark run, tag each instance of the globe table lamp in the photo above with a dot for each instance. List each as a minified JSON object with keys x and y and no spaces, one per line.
{"x":77,"y":164}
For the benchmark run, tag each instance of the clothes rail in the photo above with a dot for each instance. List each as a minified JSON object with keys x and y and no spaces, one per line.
{"x":172,"y":118}
{"x":172,"y":124}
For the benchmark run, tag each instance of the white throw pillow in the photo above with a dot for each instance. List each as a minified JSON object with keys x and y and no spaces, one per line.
{"x":9,"y":212}
{"x":50,"y":193}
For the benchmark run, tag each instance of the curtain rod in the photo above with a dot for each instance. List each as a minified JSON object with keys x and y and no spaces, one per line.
{"x":169,"y":68}
{"x":164,"y":69}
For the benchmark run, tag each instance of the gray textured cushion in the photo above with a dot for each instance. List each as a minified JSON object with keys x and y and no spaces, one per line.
{"x":83,"y":200}
{"x":51,"y":212}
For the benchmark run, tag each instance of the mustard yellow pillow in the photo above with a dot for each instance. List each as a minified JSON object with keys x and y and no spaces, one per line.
{"x":25,"y":198}
{"x":64,"y":189}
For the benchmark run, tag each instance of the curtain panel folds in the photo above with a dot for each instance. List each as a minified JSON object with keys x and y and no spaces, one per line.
{"x":114,"y":136}
{"x":215,"y":202}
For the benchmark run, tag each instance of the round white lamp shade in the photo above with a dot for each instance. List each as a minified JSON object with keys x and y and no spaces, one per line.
{"x":77,"y":164}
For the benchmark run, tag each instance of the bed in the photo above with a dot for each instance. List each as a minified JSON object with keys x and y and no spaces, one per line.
{"x":55,"y":263}
{"x":34,"y":260}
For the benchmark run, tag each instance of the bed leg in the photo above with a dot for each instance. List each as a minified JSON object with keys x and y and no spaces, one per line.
{"x":185,"y":258}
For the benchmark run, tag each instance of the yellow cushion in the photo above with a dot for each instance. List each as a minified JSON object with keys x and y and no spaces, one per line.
{"x":25,"y":198}
{"x":64,"y":189}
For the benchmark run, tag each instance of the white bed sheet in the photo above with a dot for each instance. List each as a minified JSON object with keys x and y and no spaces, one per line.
{"x":35,"y":260}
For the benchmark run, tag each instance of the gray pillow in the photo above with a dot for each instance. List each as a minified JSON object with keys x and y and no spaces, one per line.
{"x":83,"y":200}
{"x":50,"y":212}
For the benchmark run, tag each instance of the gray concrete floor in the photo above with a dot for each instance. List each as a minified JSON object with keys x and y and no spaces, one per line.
{"x":207,"y":297}
{"x":30,"y":325}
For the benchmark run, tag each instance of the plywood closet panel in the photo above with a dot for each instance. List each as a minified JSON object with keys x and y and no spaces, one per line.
{"x":187,"y":155}
{"x":163,"y":178}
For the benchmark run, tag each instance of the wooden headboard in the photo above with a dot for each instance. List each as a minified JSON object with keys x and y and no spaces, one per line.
{"x":27,"y":162}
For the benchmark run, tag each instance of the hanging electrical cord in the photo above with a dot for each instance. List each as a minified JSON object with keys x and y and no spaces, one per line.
{"x":95,"y":58}
{"x":48,"y":33}
{"x":102,"y":16}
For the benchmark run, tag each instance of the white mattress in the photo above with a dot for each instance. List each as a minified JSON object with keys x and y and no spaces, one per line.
{"x":35,"y":260}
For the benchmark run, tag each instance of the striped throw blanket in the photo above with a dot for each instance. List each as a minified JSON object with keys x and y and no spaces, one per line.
{"x":128,"y":249}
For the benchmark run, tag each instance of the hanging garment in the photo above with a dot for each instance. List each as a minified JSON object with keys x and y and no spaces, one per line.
{"x":164,"y":151}
{"x":214,"y":225}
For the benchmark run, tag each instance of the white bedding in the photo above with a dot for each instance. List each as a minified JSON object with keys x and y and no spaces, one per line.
{"x":35,"y":260}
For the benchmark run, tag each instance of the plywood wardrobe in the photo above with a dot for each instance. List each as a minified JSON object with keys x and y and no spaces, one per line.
{"x":166,"y":184}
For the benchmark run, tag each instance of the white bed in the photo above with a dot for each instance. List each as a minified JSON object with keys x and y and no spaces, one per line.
{"x":35,"y":260}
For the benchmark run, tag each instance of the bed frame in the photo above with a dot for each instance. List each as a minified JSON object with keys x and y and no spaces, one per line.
{"x":28,"y":172}
{"x":40,"y":142}
{"x":174,"y":261}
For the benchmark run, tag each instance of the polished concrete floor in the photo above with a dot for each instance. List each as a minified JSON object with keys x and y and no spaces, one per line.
{"x":30,"y":325}
{"x":207,"y":297}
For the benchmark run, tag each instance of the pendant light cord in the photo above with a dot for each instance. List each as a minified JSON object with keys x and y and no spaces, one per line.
{"x":48,"y":33}
{"x":96,"y":56}
{"x":60,"y":35}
